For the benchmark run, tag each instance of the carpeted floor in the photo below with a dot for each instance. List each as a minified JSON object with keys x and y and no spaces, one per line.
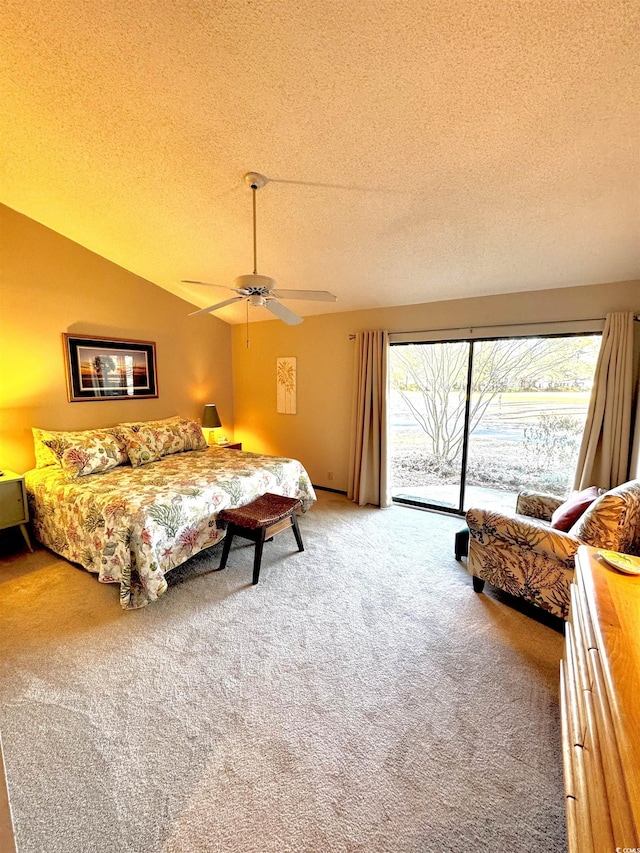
{"x":361,"y":698}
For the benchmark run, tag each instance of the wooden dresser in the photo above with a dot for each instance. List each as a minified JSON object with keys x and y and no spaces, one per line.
{"x":600,"y":701}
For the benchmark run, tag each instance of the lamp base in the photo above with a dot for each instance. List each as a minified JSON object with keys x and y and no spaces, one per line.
{"x":209,"y":435}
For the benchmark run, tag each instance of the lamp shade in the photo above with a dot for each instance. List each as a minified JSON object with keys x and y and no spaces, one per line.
{"x":210,"y":417}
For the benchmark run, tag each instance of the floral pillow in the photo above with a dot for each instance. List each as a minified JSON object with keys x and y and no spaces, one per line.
{"x":44,"y":455}
{"x":150,"y":441}
{"x":194,"y":438}
{"x":143,"y":444}
{"x":177,"y":433}
{"x":84,"y":452}
{"x":162,"y":422}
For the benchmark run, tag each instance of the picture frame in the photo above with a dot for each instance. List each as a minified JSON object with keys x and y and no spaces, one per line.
{"x":286,"y":385}
{"x":109,"y":368}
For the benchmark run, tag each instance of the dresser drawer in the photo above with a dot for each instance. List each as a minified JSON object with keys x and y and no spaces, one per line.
{"x":576,"y":714}
{"x":599,"y":806}
{"x":599,"y":688}
{"x":579,"y":636}
{"x":617,"y":794}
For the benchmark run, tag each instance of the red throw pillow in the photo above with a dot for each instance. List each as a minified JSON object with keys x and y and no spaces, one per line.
{"x":569,"y":512}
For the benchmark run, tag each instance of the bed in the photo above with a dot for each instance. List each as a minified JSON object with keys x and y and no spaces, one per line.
{"x":131,"y":524}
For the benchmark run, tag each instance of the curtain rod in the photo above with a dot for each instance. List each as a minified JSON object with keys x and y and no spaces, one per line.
{"x":636,"y":319}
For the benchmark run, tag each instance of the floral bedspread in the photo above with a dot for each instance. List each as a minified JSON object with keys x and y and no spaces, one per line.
{"x":132,"y":525}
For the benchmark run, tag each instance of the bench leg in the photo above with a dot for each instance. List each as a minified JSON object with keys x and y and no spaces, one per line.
{"x":296,"y":532}
{"x":227,"y":547}
{"x":257,"y":557}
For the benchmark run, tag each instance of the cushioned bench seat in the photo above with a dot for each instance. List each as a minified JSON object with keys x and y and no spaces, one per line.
{"x":258,"y":521}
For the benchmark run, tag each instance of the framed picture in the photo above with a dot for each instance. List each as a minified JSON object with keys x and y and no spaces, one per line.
{"x":109,"y":368}
{"x":286,"y":386}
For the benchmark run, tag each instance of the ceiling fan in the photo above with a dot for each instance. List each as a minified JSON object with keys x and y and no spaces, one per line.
{"x":260,"y":289}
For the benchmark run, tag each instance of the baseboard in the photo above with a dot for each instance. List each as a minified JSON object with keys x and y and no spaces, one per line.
{"x":327,"y":489}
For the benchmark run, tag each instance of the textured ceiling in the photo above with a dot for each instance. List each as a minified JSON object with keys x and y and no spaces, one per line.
{"x":418,"y":150}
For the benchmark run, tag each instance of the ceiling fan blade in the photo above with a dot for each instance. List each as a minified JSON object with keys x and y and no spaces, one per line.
{"x":217,"y":305}
{"x":311,"y":295}
{"x":282,"y":312}
{"x":205,"y":283}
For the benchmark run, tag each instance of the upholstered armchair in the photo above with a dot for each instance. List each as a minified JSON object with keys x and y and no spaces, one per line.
{"x":522,"y":554}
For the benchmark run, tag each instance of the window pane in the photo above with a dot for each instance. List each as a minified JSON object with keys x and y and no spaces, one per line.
{"x":529,"y":403}
{"x":428,"y":393}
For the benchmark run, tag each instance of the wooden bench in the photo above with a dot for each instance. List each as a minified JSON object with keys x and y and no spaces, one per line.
{"x":259,"y":521}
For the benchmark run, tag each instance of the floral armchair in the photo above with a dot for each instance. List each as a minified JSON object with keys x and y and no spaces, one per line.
{"x":522,"y":554}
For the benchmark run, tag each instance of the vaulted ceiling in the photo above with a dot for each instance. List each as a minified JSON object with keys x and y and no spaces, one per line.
{"x":417,"y":150}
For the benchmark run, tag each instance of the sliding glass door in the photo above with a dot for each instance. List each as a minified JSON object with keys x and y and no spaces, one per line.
{"x":429,"y":413}
{"x":473,"y":422}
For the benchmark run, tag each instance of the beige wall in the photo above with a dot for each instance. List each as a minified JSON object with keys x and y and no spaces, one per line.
{"x":318,"y":434}
{"x":51,"y":285}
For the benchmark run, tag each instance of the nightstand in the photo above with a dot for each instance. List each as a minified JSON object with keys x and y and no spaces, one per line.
{"x":14,"y":509}
{"x":232,"y":445}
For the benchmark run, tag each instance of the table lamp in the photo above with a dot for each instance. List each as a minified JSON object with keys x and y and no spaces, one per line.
{"x":210,"y":420}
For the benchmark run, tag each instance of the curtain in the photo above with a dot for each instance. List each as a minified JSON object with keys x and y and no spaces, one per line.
{"x":368,"y":461}
{"x":604,"y":453}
